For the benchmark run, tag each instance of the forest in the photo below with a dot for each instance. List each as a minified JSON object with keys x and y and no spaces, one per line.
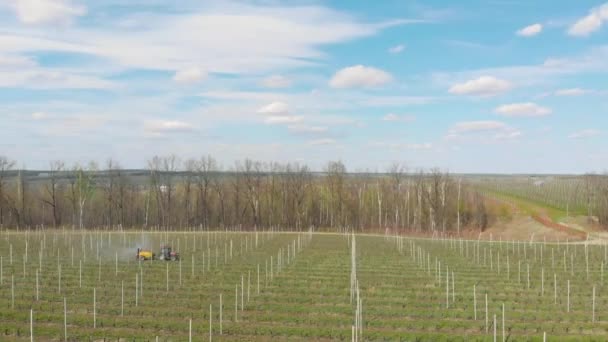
{"x":171,"y":194}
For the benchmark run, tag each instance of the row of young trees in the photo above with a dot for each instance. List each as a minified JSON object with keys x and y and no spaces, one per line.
{"x":251,"y":195}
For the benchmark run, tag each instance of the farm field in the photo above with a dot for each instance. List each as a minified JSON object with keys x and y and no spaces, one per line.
{"x":232,"y":286}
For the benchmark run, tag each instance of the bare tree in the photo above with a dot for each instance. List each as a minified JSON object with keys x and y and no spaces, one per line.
{"x":336,"y":173}
{"x":53,"y":190}
{"x":205,"y":168}
{"x":252,"y":177}
{"x":5,"y":166}
{"x":86,"y":188}
{"x":190,"y":167}
{"x":108,"y":186}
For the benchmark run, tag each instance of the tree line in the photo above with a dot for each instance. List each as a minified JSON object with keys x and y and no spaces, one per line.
{"x":199,"y":193}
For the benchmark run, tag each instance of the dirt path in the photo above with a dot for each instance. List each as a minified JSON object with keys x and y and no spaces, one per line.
{"x":533,"y":223}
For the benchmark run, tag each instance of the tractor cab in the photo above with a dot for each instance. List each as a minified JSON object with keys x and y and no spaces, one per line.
{"x":166,"y":253}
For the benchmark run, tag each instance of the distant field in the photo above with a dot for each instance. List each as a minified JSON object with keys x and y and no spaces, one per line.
{"x":559,"y":196}
{"x":410,"y":289}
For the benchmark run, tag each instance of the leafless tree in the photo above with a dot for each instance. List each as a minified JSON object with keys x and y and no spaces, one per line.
{"x":53,"y":191}
{"x":5,"y":166}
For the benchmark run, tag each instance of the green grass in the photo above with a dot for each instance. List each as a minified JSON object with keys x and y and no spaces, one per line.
{"x":533,"y":207}
{"x":403,"y":295}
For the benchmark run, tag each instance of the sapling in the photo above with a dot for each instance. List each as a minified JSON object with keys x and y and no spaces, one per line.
{"x":37,"y":287}
{"x":65,"y":320}
{"x":528,"y":268}
{"x":236,"y":303}
{"x":453,"y":290}
{"x":31,"y":325}
{"x":136,"y":288}
{"x":12,"y":292}
{"x":568,"y":307}
{"x":210,"y":322}
{"x":494,"y":328}
{"x":555,"y":288}
{"x":486,"y":312}
{"x":503,"y":323}
{"x":447,"y":289}
{"x":542,"y":281}
{"x":95,"y":308}
{"x":474,"y":302}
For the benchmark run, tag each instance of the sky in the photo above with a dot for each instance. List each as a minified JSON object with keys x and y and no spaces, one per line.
{"x":494,"y":86}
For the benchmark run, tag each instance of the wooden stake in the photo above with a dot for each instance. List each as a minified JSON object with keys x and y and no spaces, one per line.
{"x":486,"y":313}
{"x":568,"y":295}
{"x":474,"y":302}
{"x":503,"y":323}
{"x":593,"y":306}
{"x":31,"y":325}
{"x":94,"y":308}
{"x":65,"y":320}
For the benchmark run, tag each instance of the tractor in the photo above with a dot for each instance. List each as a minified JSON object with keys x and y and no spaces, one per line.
{"x":167,"y":254}
{"x":144,"y":255}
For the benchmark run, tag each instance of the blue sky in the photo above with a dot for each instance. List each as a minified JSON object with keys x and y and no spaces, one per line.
{"x":470,"y":86}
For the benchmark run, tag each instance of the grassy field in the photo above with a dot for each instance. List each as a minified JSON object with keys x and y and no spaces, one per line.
{"x":410,"y":289}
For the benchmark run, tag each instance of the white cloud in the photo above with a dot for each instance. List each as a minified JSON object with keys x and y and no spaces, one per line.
{"x":282,"y":119}
{"x":360,"y":76}
{"x":396,"y":49}
{"x":590,"y":23}
{"x":525,"y":109}
{"x":36,"y":12}
{"x":255,"y":37}
{"x":402,"y":146}
{"x":394,"y":117}
{"x":277,"y":113}
{"x":276,"y":81}
{"x":478,"y":126}
{"x":325,"y":141}
{"x":15,"y":61}
{"x":167,"y":126}
{"x":191,"y":75}
{"x":530,"y":31}
{"x":275,"y":108}
{"x":585,"y":133}
{"x":571,"y":92}
{"x":483,"y":129}
{"x":39,"y":78}
{"x":390,"y":101}
{"x":482,"y":86}
{"x":307,"y":129}
{"x":40,"y":116}
{"x":592,"y":60}
{"x":241,"y":95}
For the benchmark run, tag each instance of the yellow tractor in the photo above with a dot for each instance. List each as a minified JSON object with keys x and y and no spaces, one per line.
{"x":144,"y":255}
